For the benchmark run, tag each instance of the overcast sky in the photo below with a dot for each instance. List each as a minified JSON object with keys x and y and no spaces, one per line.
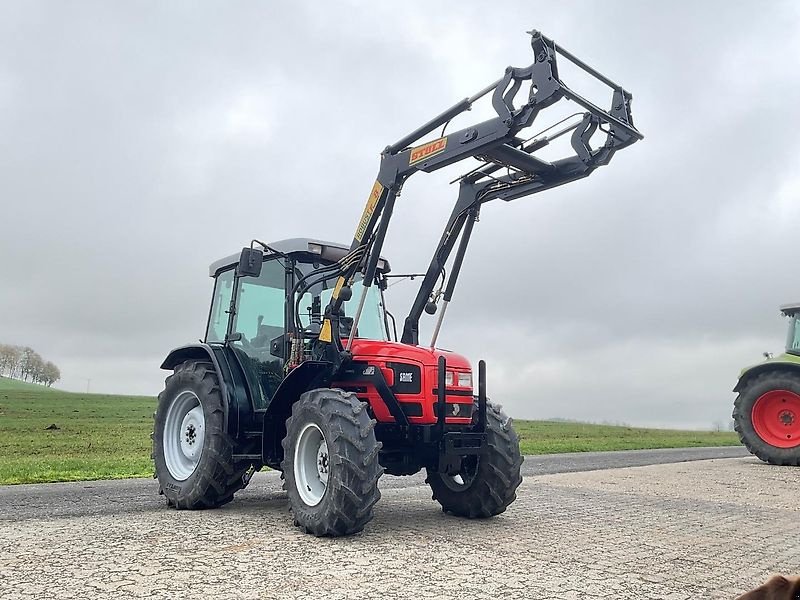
{"x":140,"y":141}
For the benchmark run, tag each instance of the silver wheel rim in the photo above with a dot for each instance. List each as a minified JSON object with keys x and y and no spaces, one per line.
{"x":184,"y":433}
{"x":464,"y":478}
{"x":311,"y":464}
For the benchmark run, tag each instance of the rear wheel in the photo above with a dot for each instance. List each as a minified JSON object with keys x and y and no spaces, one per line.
{"x":330,"y":464}
{"x":767,"y":417}
{"x":191,"y":450}
{"x":485,"y":485}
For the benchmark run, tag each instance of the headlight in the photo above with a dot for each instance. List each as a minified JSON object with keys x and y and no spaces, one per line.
{"x":448,"y":378}
{"x":465,"y":380}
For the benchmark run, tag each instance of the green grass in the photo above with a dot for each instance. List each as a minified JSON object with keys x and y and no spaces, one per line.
{"x":552,"y":437}
{"x":98,"y":436}
{"x":108,"y":437}
{"x":14,"y":384}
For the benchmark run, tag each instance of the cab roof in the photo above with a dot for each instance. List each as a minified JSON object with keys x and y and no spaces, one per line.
{"x":790,"y":309}
{"x":313,"y":248}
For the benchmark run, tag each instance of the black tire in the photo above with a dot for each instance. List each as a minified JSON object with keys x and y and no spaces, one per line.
{"x":352,"y":466}
{"x":216,"y":478}
{"x":743,"y":417}
{"x":489,"y":482}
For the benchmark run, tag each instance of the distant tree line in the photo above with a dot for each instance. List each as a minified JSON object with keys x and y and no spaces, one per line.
{"x":25,"y":364}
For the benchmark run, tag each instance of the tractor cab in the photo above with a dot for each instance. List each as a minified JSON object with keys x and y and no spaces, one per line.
{"x":793,"y":338}
{"x":269,"y":319}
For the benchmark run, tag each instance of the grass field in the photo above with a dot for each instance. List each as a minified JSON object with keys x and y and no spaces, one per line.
{"x":98,"y":436}
{"x":108,"y":437}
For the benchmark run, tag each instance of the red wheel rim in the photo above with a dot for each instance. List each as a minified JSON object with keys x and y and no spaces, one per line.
{"x":776,"y":418}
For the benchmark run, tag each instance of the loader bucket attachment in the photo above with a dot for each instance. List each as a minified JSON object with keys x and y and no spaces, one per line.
{"x":496,"y":142}
{"x":510,"y":166}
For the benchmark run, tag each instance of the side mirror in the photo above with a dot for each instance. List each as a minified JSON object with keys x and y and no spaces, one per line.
{"x":250,"y":262}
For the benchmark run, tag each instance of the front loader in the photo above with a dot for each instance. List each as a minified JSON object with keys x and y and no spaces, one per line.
{"x":302,"y":368}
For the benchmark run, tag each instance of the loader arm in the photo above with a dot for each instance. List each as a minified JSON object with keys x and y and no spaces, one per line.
{"x":494,"y":142}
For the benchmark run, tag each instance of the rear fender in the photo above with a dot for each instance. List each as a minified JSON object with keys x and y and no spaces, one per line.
{"x":235,"y":398}
{"x":769,"y":366}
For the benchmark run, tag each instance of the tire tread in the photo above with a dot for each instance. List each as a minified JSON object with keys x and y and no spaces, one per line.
{"x":218,"y":477}
{"x":350,"y":500}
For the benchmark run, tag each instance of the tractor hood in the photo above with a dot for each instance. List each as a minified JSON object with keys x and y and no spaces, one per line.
{"x":428,"y":357}
{"x":785,"y":358}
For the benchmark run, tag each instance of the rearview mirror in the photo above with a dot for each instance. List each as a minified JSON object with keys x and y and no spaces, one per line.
{"x":250,"y":262}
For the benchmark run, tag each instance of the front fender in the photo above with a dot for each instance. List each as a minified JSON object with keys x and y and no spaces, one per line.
{"x":306,"y":376}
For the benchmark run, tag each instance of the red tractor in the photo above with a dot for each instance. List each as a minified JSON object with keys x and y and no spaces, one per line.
{"x":286,"y":379}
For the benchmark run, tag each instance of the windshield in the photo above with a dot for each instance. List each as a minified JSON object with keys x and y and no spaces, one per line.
{"x":793,"y":339}
{"x":371,"y":325}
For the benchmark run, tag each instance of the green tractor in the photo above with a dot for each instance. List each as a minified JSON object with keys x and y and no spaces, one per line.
{"x":766,"y":412}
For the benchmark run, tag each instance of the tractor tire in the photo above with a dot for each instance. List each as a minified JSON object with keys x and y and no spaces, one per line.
{"x":330,"y":464}
{"x":766,"y":416}
{"x":487,"y":484}
{"x":191,"y":450}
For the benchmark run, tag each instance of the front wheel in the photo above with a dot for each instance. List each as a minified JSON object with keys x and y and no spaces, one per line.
{"x":330,"y":464}
{"x":485,"y":485}
{"x":767,"y":417}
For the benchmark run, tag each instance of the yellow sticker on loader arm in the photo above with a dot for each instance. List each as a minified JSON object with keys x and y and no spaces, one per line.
{"x":427,"y":150}
{"x":369,"y":210}
{"x":326,"y":333}
{"x":338,"y":288}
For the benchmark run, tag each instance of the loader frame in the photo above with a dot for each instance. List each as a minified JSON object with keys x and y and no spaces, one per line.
{"x":495,"y":143}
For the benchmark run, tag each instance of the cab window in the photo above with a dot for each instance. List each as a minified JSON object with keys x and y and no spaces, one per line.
{"x":218,"y":317}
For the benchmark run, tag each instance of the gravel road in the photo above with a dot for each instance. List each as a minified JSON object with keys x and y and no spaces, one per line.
{"x":639,"y":524}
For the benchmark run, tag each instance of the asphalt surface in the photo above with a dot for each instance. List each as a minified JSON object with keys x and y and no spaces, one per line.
{"x":642,"y":524}
{"x":88,"y":498}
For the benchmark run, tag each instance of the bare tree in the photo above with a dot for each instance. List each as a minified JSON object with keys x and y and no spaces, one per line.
{"x":25,"y":363}
{"x":28,"y":362}
{"x":10,"y":357}
{"x":36,"y":368}
{"x":51,"y":374}
{"x":5,"y":359}
{"x":16,"y":365}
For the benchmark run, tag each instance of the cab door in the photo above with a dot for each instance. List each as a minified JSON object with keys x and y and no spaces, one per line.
{"x":259,"y":319}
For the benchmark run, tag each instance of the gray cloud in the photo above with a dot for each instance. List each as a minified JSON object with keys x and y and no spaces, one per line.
{"x":143,"y":141}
